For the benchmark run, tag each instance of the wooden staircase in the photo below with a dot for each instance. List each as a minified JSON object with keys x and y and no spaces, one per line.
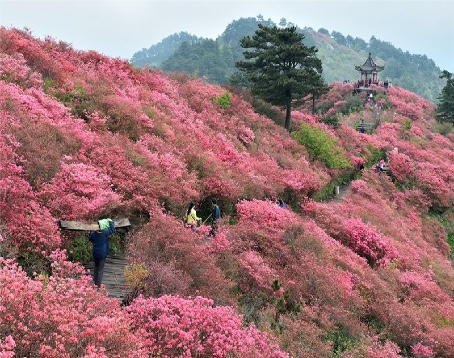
{"x":113,"y":277}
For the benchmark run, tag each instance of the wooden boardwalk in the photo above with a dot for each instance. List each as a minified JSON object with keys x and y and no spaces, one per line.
{"x":113,"y":277}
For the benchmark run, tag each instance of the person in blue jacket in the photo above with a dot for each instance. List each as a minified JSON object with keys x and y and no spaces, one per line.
{"x":100,"y":241}
{"x":282,"y":204}
{"x":215,"y":216}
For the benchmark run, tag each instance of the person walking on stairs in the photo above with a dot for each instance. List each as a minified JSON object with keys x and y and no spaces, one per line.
{"x":215,"y":217}
{"x":100,"y":241}
{"x":282,"y":204}
{"x":191,"y":217}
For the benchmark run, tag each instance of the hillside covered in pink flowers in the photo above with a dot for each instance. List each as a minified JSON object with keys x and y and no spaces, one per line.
{"x":83,"y":135}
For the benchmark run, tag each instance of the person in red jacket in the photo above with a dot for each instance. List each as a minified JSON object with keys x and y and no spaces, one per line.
{"x":100,"y":241}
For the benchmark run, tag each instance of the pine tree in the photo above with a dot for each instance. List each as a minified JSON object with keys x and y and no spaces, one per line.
{"x":445,"y":109}
{"x":281,"y":68}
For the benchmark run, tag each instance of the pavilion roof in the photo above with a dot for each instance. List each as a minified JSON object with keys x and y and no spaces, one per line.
{"x":369,"y":66}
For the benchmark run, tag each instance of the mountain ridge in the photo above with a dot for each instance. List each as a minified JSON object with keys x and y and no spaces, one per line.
{"x":339,"y":55}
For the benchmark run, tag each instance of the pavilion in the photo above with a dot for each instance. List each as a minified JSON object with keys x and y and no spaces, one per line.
{"x":369,"y":72}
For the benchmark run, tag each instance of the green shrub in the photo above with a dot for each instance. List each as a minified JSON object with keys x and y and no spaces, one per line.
{"x":32,"y":262}
{"x":387,"y":103}
{"x":116,"y":243}
{"x":333,"y":120}
{"x":354,"y":104}
{"x":446,"y":220}
{"x":342,"y":340}
{"x":408,"y":123}
{"x":224,"y":100}
{"x":374,"y":157}
{"x":443,"y":128}
{"x":80,"y":249}
{"x":321,"y":146}
{"x":149,"y":112}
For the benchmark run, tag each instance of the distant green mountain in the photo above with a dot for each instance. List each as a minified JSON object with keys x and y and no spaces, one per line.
{"x":156,"y":54}
{"x":339,"y":54}
{"x":215,"y":60}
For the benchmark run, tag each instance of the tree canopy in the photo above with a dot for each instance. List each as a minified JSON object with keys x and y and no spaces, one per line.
{"x":445,"y":109}
{"x":281,"y":68}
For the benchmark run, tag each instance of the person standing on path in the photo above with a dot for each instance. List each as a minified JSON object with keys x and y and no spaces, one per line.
{"x":215,"y":216}
{"x":381,"y":166}
{"x":100,"y":241}
{"x":191,"y":216}
{"x":282,"y":204}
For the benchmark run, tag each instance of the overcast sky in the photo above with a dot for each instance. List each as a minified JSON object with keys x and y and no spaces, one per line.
{"x":119,"y":28}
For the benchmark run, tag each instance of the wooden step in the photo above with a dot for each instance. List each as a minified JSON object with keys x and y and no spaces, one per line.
{"x":114,"y":276}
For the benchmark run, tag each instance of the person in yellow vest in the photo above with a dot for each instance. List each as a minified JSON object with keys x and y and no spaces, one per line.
{"x":191,"y":216}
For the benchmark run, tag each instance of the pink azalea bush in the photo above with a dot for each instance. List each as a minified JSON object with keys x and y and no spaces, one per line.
{"x":175,"y":327}
{"x":367,"y":242}
{"x":30,"y":224}
{"x":266,"y":214}
{"x":176,"y":259}
{"x":368,"y":274}
{"x":60,"y":316}
{"x":421,"y":351}
{"x":79,"y":192}
{"x":14,"y":69}
{"x":252,"y":264}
